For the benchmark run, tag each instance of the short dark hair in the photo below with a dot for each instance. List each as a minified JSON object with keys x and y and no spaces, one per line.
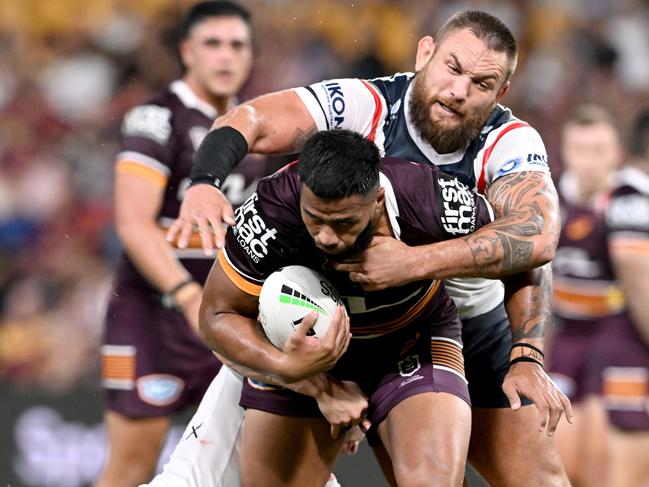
{"x":639,"y":143}
{"x":213,"y":8}
{"x":487,"y":28}
{"x":335,"y":164}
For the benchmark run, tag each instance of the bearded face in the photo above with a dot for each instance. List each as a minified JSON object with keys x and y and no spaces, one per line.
{"x":444,"y":133}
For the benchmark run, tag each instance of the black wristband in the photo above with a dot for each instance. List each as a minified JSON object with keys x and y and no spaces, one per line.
{"x":528,"y":345}
{"x":525,"y":359}
{"x":220,"y":151}
{"x":168,"y":298}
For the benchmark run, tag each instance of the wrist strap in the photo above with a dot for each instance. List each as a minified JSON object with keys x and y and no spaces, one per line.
{"x":220,"y":151}
{"x":530,"y":346}
{"x":169,"y":298}
{"x":525,"y":359}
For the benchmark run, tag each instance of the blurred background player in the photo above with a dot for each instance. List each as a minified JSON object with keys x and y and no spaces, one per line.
{"x":586,"y":297}
{"x":154,"y":363}
{"x":624,"y":351}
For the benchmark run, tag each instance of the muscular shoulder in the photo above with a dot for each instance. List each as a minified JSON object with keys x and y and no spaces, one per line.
{"x":510,"y":145}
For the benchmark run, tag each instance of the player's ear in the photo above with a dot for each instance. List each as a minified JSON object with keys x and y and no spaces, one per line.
{"x":185,"y":53}
{"x":425,"y":49}
{"x":503,"y":89}
{"x":380,"y":197}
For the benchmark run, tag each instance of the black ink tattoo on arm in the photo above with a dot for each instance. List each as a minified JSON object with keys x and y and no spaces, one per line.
{"x":525,"y":230}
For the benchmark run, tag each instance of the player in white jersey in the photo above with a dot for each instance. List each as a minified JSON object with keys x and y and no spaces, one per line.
{"x":448,"y":115}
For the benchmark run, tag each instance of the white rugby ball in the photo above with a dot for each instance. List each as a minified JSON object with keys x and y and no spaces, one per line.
{"x":291,"y":293}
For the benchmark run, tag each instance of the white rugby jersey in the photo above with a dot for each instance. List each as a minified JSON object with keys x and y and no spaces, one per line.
{"x":379,"y":109}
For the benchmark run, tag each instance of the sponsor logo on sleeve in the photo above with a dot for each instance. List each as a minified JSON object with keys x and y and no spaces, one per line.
{"x":150,"y":121}
{"x":513,"y":164}
{"x":251,"y":231}
{"x":458,"y":207}
{"x":508,"y":167}
{"x":538,"y":159}
{"x":629,"y":212}
{"x":336,"y":104}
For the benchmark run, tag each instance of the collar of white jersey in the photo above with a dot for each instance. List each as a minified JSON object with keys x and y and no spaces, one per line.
{"x":191,"y":100}
{"x":431,"y":154}
{"x":391,"y":205}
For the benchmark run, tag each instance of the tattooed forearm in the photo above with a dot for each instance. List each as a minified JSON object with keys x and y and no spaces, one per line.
{"x":535,"y":300}
{"x":525,"y":231}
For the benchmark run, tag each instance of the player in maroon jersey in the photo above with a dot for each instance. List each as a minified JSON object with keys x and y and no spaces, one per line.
{"x":403,"y":370}
{"x":625,"y":351}
{"x":587,"y":300}
{"x":154,"y":363}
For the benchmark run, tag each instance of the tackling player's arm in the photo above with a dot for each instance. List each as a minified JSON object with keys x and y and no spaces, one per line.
{"x":528,"y":302}
{"x":521,"y":200}
{"x":138,"y":193}
{"x":274,"y":123}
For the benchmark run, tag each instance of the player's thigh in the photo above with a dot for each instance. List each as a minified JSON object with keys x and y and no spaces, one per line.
{"x":134,"y":443}
{"x":508,"y":449}
{"x":427,"y":438}
{"x":286,"y":451}
{"x":629,"y":458}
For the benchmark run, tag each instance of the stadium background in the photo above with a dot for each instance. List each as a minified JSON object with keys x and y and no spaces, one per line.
{"x":69,"y":69}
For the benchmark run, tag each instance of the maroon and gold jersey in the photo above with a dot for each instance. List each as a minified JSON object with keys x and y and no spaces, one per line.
{"x":423,"y":206}
{"x":159,"y":139}
{"x":585,"y":289}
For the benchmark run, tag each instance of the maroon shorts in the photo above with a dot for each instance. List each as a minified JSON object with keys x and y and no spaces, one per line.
{"x":624,"y":365}
{"x":573,"y":366}
{"x":153,"y":364}
{"x":611,"y":362}
{"x":389,"y":369}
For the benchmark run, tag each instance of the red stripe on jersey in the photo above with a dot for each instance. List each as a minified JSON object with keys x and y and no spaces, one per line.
{"x":285,"y":168}
{"x":377,"y":110}
{"x":481,"y":181}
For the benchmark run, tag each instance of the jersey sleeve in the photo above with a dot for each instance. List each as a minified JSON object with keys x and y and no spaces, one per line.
{"x":259,"y":244}
{"x":440,"y":205}
{"x":627,"y":221}
{"x":455,"y":209}
{"x":350,"y":103}
{"x":512,"y":148}
{"x":147,"y":143}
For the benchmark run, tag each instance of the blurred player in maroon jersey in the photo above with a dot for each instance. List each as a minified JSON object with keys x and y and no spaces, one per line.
{"x":587,"y":300}
{"x":154,"y":363}
{"x":625,"y":351}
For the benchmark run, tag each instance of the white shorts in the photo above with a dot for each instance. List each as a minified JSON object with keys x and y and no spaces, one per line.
{"x":208,"y":451}
{"x":207,"y":454}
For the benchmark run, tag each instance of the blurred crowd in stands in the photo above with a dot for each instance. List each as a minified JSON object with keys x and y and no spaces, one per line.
{"x":70,"y":69}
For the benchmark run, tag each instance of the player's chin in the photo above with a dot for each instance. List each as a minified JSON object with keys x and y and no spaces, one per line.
{"x":224,"y":88}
